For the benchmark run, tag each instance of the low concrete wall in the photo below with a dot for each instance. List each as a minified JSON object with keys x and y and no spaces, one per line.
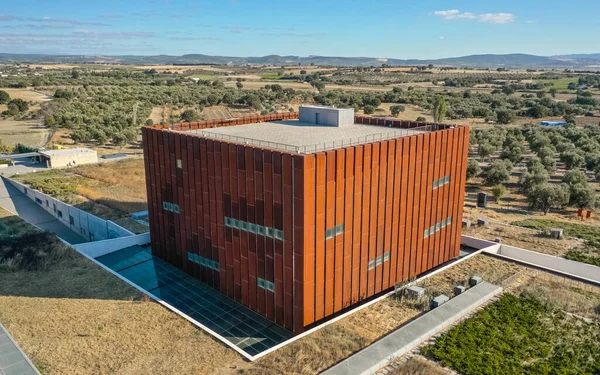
{"x":478,"y":243}
{"x":99,"y":248}
{"x":568,"y":267}
{"x":83,"y":223}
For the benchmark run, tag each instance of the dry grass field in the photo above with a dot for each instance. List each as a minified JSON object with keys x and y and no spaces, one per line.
{"x":27,"y":95}
{"x":158,"y":114}
{"x":27,"y":132}
{"x":419,"y":366}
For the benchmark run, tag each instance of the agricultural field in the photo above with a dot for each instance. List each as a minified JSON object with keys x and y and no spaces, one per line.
{"x":561,"y":83}
{"x":103,"y":105}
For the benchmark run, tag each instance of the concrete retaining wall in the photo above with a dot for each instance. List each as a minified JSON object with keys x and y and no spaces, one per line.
{"x":579,"y":270}
{"x":85,"y":224}
{"x":478,"y":243}
{"x":99,"y":248}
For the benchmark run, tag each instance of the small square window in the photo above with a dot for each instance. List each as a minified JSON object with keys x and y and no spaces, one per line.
{"x":270,"y":232}
{"x":252,"y":228}
{"x":279,"y":234}
{"x":71,"y":220}
{"x":426,"y":233}
{"x":450,"y":220}
{"x":261,"y":230}
{"x":59,"y":212}
{"x":447,"y":179}
{"x":179,"y":164}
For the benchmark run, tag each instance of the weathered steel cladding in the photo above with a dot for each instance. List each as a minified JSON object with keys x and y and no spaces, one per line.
{"x":381,"y":192}
{"x":384,"y":195}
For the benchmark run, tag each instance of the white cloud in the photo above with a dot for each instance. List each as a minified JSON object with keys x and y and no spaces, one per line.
{"x":455,"y":14}
{"x":497,"y":17}
{"x":441,"y":38}
{"x":531,"y":21}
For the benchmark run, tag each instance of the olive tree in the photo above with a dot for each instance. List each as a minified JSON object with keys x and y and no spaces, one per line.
{"x":497,"y":173}
{"x":546,"y":196}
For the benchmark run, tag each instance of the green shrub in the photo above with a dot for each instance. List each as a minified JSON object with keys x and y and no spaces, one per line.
{"x":578,"y":256}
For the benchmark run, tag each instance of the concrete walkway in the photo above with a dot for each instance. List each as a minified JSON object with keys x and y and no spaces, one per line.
{"x":407,"y":337}
{"x":13,"y":200}
{"x":12,"y":359}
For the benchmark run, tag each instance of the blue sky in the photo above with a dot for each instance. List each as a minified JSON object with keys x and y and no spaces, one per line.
{"x":375,"y":28}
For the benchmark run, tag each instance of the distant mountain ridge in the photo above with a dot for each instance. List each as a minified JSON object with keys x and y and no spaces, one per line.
{"x":514,"y":60}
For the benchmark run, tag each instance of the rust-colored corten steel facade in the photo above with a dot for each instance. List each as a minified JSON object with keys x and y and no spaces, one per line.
{"x":299,"y":237}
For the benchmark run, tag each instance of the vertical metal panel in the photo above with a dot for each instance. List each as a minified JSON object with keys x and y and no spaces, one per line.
{"x":270,"y":222}
{"x":410,"y":203}
{"x":403,"y":252}
{"x":321,"y":176}
{"x":309,"y":237}
{"x":298,"y":182}
{"x":397,"y":179}
{"x":329,"y":223}
{"x":348,"y":220}
{"x":380,"y":231}
{"x":226,"y":261}
{"x":235,"y":212}
{"x":365,"y":209}
{"x":388,"y":215}
{"x":450,"y":162}
{"x":287,"y":278}
{"x":424,"y":178}
{"x":372,"y":244}
{"x":339,"y":239}
{"x":357,"y":222}
{"x":443,"y":198}
{"x":462,"y":166}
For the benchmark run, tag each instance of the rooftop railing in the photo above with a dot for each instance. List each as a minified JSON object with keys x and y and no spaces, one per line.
{"x":318,"y":147}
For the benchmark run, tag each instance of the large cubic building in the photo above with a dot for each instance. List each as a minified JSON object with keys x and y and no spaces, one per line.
{"x":299,"y":216}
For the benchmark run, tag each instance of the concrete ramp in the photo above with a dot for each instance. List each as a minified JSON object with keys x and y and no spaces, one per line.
{"x":15,"y":201}
{"x":407,"y":337}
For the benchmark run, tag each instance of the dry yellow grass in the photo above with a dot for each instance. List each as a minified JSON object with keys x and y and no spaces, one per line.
{"x":158,"y":114}
{"x":419,"y":366}
{"x":523,"y":238}
{"x":28,"y":132}
{"x":27,"y":94}
{"x":571,"y":296}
